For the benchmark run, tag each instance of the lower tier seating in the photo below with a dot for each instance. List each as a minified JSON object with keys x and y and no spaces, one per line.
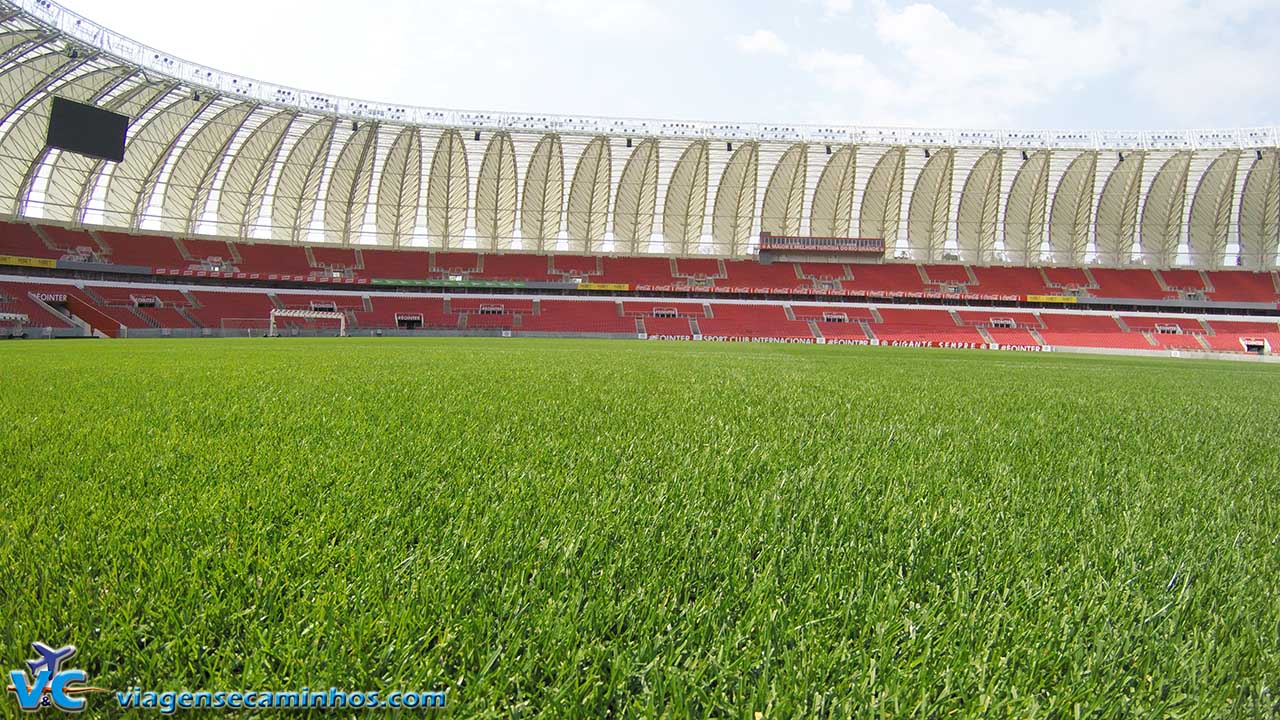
{"x":144,"y":307}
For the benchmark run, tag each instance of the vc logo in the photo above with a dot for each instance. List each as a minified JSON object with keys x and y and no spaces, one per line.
{"x":48,"y":683}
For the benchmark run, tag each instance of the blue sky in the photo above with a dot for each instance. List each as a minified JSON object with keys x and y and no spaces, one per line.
{"x":1150,"y":64}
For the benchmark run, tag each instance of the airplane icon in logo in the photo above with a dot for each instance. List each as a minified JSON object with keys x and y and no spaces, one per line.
{"x":49,"y":658}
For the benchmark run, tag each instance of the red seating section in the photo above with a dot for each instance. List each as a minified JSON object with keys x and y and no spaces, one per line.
{"x":1066,"y":277}
{"x":268,"y":260}
{"x":749,"y":321}
{"x":1183,"y":279}
{"x":1010,"y":281}
{"x":294,"y":262}
{"x":893,"y":278}
{"x":570,"y":316}
{"x":748,"y":275}
{"x":950,"y":274}
{"x":14,"y":299}
{"x":1136,"y":284}
{"x":697,"y":267}
{"x":21,"y":240}
{"x":141,"y":250}
{"x":231,"y":309}
{"x":639,"y":271}
{"x":1241,"y":286}
{"x":404,"y":264}
{"x":514,"y":267}
{"x":903,"y":325}
{"x":111,"y":306}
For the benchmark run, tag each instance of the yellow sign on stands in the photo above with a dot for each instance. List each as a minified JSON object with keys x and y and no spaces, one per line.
{"x":1066,"y":299}
{"x":604,"y":286}
{"x":27,"y":262}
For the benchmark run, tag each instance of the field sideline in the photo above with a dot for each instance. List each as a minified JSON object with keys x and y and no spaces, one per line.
{"x":614,"y":528}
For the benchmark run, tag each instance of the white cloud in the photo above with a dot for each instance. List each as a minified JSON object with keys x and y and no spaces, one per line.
{"x":762,"y":41}
{"x":837,"y":7}
{"x":614,"y":16}
{"x":1007,"y":63}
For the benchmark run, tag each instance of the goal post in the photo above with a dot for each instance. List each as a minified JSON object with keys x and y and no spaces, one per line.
{"x":307,"y":315}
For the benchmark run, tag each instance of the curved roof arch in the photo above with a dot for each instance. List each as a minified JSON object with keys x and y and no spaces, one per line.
{"x":496,"y":193}
{"x":1071,"y":215}
{"x":977,"y":218}
{"x":831,"y":213}
{"x":735,"y":205}
{"x":1161,"y":223}
{"x":588,"y":209}
{"x":1210,"y":222}
{"x":1260,"y":213}
{"x":784,"y":197}
{"x":882,"y":199}
{"x":685,"y":206}
{"x":210,"y":151}
{"x":1024,"y":216}
{"x":931,"y":206}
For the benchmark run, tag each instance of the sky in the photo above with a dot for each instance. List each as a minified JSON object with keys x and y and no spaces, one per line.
{"x":1110,"y":64}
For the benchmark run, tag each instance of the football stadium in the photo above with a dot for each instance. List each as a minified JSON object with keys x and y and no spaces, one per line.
{"x":328,"y":406}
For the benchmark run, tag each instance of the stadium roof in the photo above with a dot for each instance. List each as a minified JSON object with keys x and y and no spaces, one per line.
{"x":215,"y":153}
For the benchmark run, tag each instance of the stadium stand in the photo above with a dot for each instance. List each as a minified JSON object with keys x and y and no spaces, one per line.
{"x":1243,"y":286}
{"x":753,"y":321}
{"x":1131,"y":283}
{"x":15,"y":297}
{"x":116,"y":309}
{"x":142,"y":250}
{"x":190,"y":257}
{"x":1011,"y":281}
{"x":569,"y":316}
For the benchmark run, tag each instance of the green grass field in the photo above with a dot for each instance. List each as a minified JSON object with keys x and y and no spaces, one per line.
{"x":597,"y":529}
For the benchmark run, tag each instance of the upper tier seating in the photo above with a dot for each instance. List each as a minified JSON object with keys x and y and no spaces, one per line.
{"x":279,"y":260}
{"x":1010,"y":281}
{"x":265,"y":261}
{"x":638,"y":271}
{"x":1065,"y":278}
{"x":948,"y":274}
{"x":749,"y":275}
{"x":515,"y":266}
{"x":1180,"y":279}
{"x":1242,"y":286}
{"x":566,"y":267}
{"x":72,"y":241}
{"x":395,"y":265}
{"x":151,"y":251}
{"x":696,"y":268}
{"x":1134,"y":284}
{"x":892,"y":278}
{"x":453,"y":263}
{"x":22,"y":240}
